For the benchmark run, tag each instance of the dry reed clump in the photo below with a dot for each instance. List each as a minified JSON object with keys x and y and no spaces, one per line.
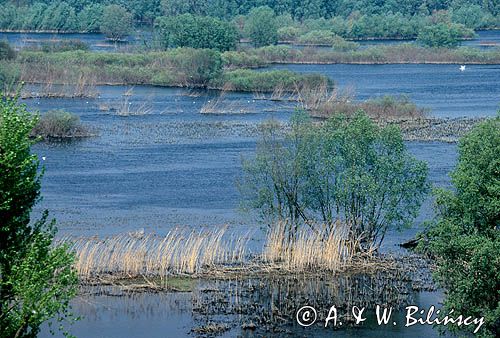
{"x":308,"y":249}
{"x":135,"y":254}
{"x":221,"y":105}
{"x":323,"y":102}
{"x":59,"y":82}
{"x":127,"y":108}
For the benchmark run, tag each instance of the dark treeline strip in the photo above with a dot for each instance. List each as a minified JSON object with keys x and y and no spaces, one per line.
{"x":349,"y":19}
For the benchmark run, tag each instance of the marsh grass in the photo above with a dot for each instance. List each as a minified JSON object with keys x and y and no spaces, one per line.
{"x":309,"y":249}
{"x":135,"y":254}
{"x":324,"y":101}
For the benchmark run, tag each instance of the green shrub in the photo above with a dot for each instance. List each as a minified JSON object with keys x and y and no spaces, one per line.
{"x":196,"y":32}
{"x":318,"y":37}
{"x":59,"y":124}
{"x":346,"y":170}
{"x":6,"y":51}
{"x":38,"y":279}
{"x":443,"y":35}
{"x":233,"y":59}
{"x":197,"y":67}
{"x":465,"y":237}
{"x":289,"y":33}
{"x":261,"y":27}
{"x":248,"y":80}
{"x":9,"y":76}
{"x":116,"y":22}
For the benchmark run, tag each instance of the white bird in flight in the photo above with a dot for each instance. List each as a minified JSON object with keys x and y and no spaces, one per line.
{"x":462,"y":68}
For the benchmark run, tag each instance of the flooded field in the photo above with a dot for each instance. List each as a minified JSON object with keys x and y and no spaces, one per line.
{"x":161,"y":163}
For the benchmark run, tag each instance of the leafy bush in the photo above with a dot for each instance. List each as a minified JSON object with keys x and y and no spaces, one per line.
{"x":196,"y":32}
{"x":9,"y":76}
{"x":59,"y":124}
{"x":443,"y":35}
{"x":248,"y":80}
{"x":116,"y":22}
{"x":288,"y":33}
{"x":37,"y":277}
{"x":318,"y":37}
{"x":260,"y":26}
{"x":6,"y":51}
{"x":197,"y":67}
{"x":465,"y":237}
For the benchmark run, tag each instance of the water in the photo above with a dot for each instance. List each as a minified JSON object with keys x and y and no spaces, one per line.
{"x":444,"y":89}
{"x":486,"y":40}
{"x":174,"y":166}
{"x":96,"y":41}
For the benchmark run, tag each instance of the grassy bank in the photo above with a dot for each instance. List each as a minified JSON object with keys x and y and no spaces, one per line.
{"x":403,"y":53}
{"x":182,"y":67}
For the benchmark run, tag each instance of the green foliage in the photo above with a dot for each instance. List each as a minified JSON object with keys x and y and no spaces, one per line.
{"x":288,"y":33}
{"x":116,"y":22}
{"x":349,"y":19}
{"x":248,"y":80}
{"x":37,"y":279}
{"x":260,"y":26}
{"x":318,"y":37}
{"x":473,"y":16}
{"x":59,"y":124}
{"x":89,"y":19}
{"x":347,"y":169}
{"x":9,"y":76}
{"x":443,"y":35}
{"x":198,"y":67}
{"x":197,"y":32}
{"x":465,"y":236}
{"x":6,"y":51}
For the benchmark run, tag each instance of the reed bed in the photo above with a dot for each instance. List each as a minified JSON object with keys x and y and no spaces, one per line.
{"x":324,"y":101}
{"x":308,"y":249}
{"x":135,"y":254}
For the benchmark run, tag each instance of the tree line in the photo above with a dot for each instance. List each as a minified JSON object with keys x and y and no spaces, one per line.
{"x":73,"y":15}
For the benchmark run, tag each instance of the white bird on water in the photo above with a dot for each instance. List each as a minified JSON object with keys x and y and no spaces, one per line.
{"x":462,"y":68}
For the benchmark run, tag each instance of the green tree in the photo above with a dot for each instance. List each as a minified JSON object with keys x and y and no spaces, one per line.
{"x":198,"y":67}
{"x":37,"y":279}
{"x":443,"y":35}
{"x":260,"y":26}
{"x":116,"y":22}
{"x":89,"y":19}
{"x":347,"y":169}
{"x":465,"y":238}
{"x":197,"y":32}
{"x":472,"y":16}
